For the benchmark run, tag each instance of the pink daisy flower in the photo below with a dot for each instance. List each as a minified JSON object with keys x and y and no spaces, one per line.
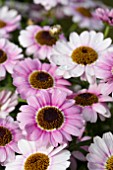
{"x":35,"y":156}
{"x":9,"y":136}
{"x":82,"y":13}
{"x":91,"y":102}
{"x":9,"y":19}
{"x":30,"y":76}
{"x":9,"y":56}
{"x":104,"y":71}
{"x":104,"y":15}
{"x":8,"y":101}
{"x":50,"y":117}
{"x":100,"y":155}
{"x":50,"y":4}
{"x":78,"y":57}
{"x":38,"y":41}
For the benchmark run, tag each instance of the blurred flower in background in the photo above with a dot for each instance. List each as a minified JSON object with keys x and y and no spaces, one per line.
{"x":105,"y":15}
{"x":49,"y":4}
{"x":82,"y":13}
{"x":9,"y":20}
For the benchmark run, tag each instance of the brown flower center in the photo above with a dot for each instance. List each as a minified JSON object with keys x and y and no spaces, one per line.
{"x":2,"y":24}
{"x":50,"y":118}
{"x":44,"y":38}
{"x":86,"y":99}
{"x":41,"y":80}
{"x":84,"y":12}
{"x":37,"y":161}
{"x":84,"y":55}
{"x":109,"y":163}
{"x":5,"y":136}
{"x":3,"y":57}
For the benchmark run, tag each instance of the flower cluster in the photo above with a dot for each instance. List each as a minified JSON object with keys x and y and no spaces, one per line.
{"x":56,"y":85}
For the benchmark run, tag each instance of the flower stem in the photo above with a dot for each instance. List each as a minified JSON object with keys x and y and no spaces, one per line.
{"x":106,"y":32}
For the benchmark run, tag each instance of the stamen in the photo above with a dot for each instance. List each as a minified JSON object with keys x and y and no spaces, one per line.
{"x":50,"y":118}
{"x":84,"y":55}
{"x":109,"y":163}
{"x":86,"y":99}
{"x":2,"y":24}
{"x":41,"y":80}
{"x":5,"y":136}
{"x":3,"y":57}
{"x":37,"y":161}
{"x":84,"y":12}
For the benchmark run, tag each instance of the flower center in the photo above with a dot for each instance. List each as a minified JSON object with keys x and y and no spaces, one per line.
{"x":86,"y":99}
{"x":2,"y":24}
{"x":50,"y":118}
{"x":84,"y":12}
{"x":84,"y":55}
{"x":41,"y":80}
{"x":37,"y":161}
{"x":109,"y":163}
{"x":5,"y":136}
{"x":3,"y":57}
{"x":44,"y":38}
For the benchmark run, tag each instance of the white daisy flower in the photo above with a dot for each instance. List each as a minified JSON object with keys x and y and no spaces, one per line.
{"x":100,"y":155}
{"x":38,"y":157}
{"x":48,"y":4}
{"x":78,"y":57}
{"x":9,"y":19}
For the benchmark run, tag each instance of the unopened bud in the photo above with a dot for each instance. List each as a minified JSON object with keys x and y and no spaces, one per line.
{"x":55,"y":30}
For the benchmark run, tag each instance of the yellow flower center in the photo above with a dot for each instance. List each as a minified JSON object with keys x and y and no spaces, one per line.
{"x":49,"y":118}
{"x":41,"y":80}
{"x":84,"y":12}
{"x":5,"y":136}
{"x":45,"y":38}
{"x":86,"y":99}
{"x":84,"y":55}
{"x":37,"y":161}
{"x":3,"y":57}
{"x":109,"y":163}
{"x":2,"y":24}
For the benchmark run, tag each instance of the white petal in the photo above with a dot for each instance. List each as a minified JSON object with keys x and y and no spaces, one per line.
{"x":26,"y":146}
{"x":62,"y":47}
{"x":84,"y":37}
{"x":59,"y":59}
{"x":77,"y":71}
{"x":61,"y":157}
{"x":102,"y":146}
{"x":58,"y":149}
{"x":74,"y":40}
{"x":105,"y":44}
{"x":108,"y":139}
{"x":89,"y":114}
{"x":99,"y":108}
